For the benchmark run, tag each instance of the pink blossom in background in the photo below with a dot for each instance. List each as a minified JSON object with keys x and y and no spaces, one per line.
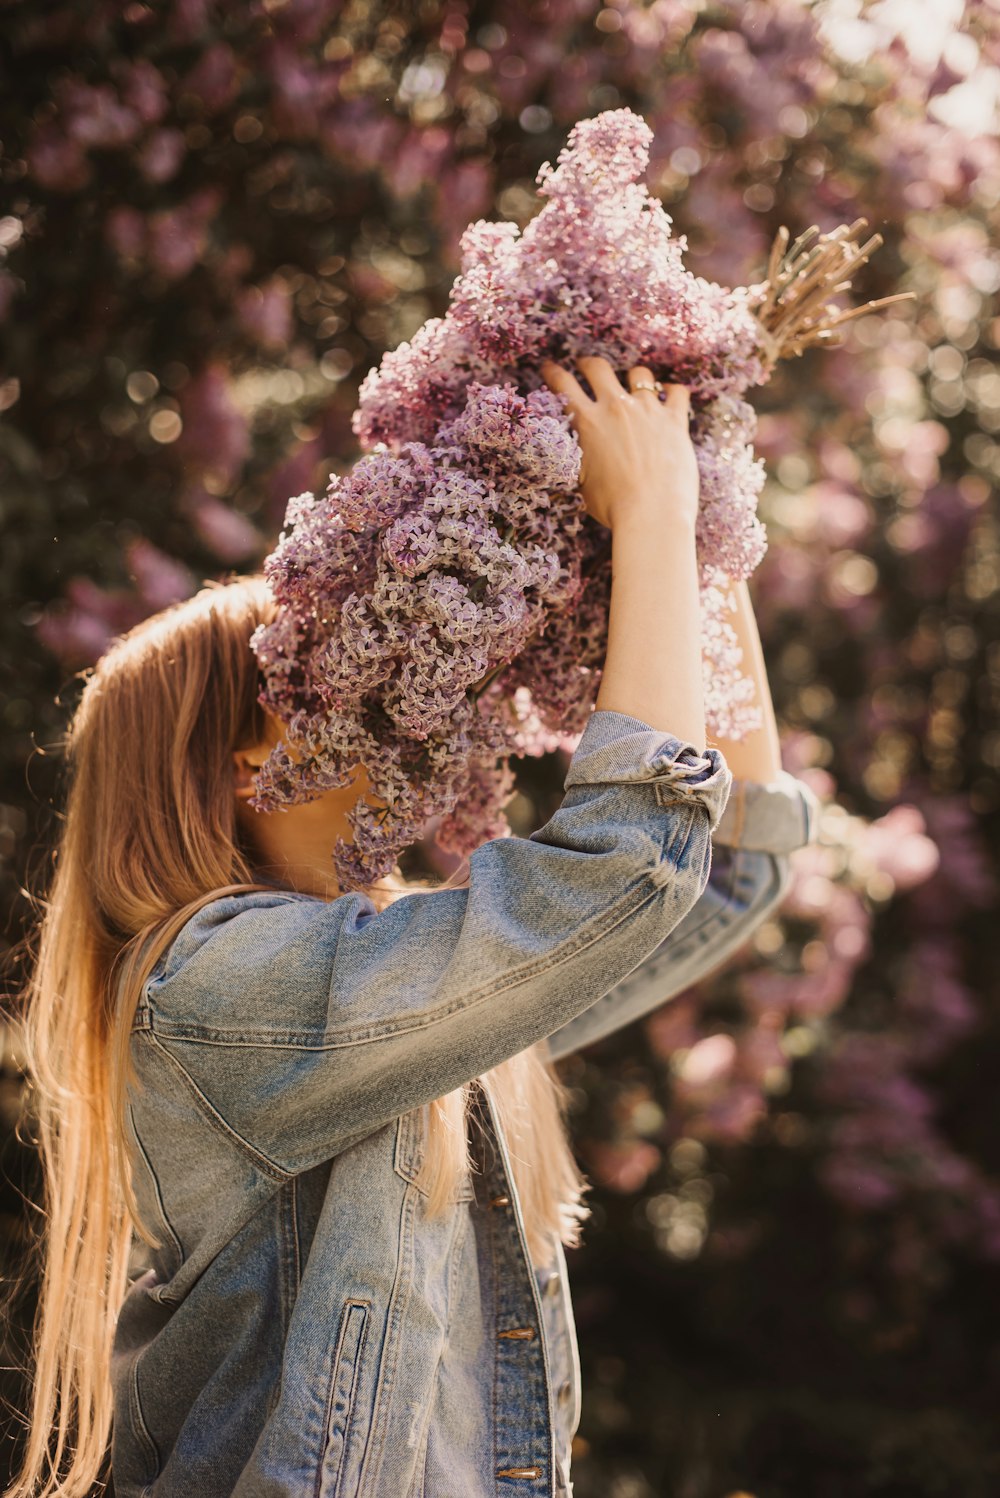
{"x":293,"y":475}
{"x":178,"y":237}
{"x":144,"y":90}
{"x":228,"y":534}
{"x":842,"y":518}
{"x":160,"y":579}
{"x":301,"y":88}
{"x":935,"y":999}
{"x":623,"y":1167}
{"x":966,"y":877}
{"x":357,"y":132}
{"x":674,"y":1026}
{"x":82,"y":627}
{"x":707,"y":1063}
{"x":266,"y":313}
{"x":858,"y":1182}
{"x":216,"y":434}
{"x":57,"y":161}
{"x":214,"y":79}
{"x":419,"y":157}
{"x":463,"y":194}
{"x":125,"y":231}
{"x":161,"y":156}
{"x":730,"y":1117}
{"x":897,"y":845}
{"x":94,"y":115}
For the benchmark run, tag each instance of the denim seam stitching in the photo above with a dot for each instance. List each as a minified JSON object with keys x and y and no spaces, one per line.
{"x":420,"y":1468}
{"x":267,"y":1166}
{"x":778,"y":813}
{"x":297,"y":1039}
{"x":419,"y":1485}
{"x":741,"y":811}
{"x":406,"y":1159}
{"x":139,"y":1420}
{"x":287,"y":1248}
{"x":313,"y":1040}
{"x":724,"y":910}
{"x":461,"y":1222}
{"x":543,"y":1347}
{"x":399,"y":1301}
{"x":296,"y":1240}
{"x":316,"y":1041}
{"x":664,"y":800}
{"x":494,"y":1281}
{"x":157,"y":1190}
{"x":768,"y":898}
{"x":520,"y":1233}
{"x":345,"y":1309}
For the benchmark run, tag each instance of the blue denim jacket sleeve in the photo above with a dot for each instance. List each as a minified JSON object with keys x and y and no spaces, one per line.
{"x":302,"y":1025}
{"x":760,"y":826}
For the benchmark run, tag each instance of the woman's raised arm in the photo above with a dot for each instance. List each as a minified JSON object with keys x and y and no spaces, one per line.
{"x":769,"y":814}
{"x":303,"y":1025}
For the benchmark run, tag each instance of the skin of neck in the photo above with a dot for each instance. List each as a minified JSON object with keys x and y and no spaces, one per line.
{"x":293,"y":846}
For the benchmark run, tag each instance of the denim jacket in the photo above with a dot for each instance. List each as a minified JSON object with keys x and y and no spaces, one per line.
{"x":306,"y":1330}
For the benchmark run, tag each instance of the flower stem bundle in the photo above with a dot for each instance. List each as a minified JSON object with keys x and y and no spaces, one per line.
{"x":792,"y":305}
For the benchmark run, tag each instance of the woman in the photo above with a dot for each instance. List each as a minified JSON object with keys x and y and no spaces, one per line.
{"x":330,"y":1118}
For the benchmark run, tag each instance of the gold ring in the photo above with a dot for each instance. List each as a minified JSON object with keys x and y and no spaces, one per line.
{"x":645,"y":385}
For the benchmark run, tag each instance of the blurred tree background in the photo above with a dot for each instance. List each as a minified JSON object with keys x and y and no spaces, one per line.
{"x":214,"y":220}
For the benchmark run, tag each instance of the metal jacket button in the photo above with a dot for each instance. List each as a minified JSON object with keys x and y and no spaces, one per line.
{"x":520,"y":1472}
{"x":500,"y":1201}
{"x":565,"y":1390}
{"x":519,"y":1333}
{"x":552,"y":1285}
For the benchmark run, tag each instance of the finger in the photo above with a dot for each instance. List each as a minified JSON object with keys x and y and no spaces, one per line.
{"x":643,"y":384}
{"x":600,"y":375}
{"x":564,"y":383}
{"x":677,"y":395}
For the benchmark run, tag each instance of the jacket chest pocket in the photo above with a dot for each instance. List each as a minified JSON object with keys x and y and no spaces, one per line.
{"x":343,"y":1391}
{"x":408,"y":1156}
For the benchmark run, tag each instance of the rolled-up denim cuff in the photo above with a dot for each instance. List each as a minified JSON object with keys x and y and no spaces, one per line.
{"x":774,"y":817}
{"x":617,"y":748}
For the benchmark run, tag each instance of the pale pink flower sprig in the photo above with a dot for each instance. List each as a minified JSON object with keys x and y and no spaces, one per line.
{"x":403,"y":594}
{"x":445,"y":605}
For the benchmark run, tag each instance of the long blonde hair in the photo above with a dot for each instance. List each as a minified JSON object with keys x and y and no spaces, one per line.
{"x":149,"y":835}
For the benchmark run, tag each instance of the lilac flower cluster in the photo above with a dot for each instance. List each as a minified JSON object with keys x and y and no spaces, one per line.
{"x":452,"y":589}
{"x":401,"y":593}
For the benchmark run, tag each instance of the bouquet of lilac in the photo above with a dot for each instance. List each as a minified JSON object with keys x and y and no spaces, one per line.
{"x":445,"y":605}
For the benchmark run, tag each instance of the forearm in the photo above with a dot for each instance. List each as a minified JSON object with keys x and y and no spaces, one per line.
{"x":758,"y":756}
{"x":652,"y":668}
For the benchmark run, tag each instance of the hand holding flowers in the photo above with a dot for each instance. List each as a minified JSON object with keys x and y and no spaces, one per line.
{"x":633,"y":447}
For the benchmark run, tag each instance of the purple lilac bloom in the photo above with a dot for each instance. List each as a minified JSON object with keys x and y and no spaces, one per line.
{"x":445,"y":605}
